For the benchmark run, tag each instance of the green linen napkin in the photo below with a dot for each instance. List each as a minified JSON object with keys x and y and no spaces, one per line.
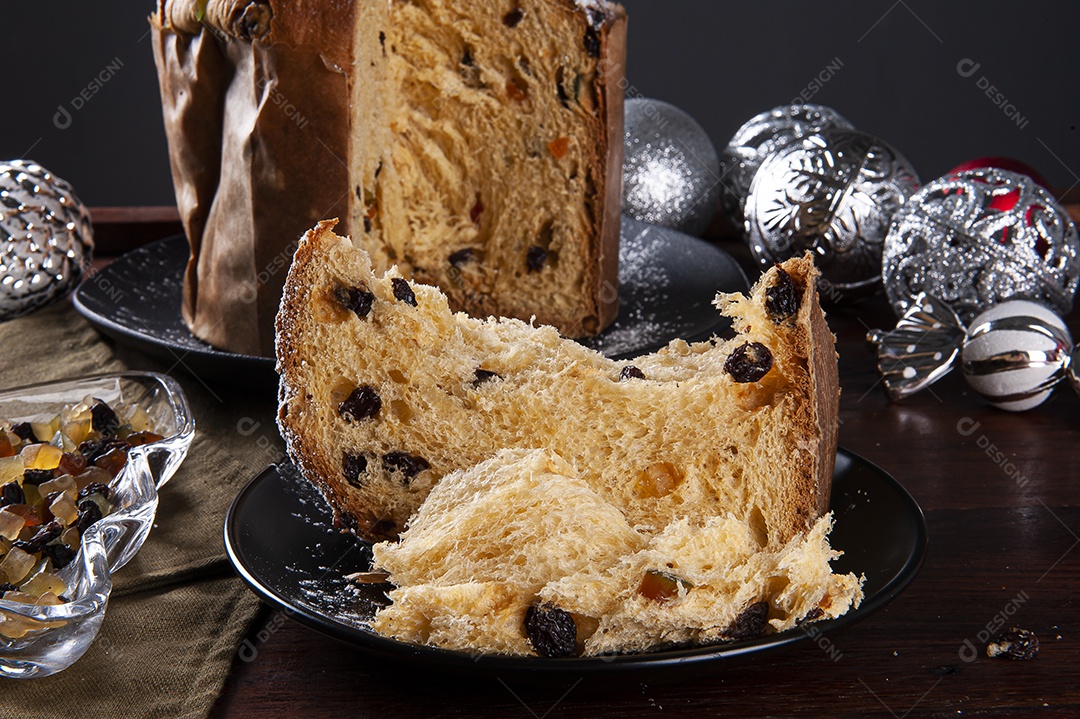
{"x":177,"y":611}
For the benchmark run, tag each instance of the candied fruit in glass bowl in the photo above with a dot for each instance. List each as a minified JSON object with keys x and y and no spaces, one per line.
{"x":81,"y":462}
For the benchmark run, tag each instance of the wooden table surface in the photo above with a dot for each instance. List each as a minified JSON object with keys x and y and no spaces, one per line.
{"x":1001,"y":494}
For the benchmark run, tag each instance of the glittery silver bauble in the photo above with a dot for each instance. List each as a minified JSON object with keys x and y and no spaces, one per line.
{"x":1015,"y":353}
{"x":765,"y":135}
{"x":45,"y":238}
{"x":834,"y":194}
{"x":671,"y":173}
{"x":981,"y":237}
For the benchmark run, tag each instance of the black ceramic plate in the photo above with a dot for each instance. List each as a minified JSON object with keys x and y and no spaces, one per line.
{"x":279,"y":534}
{"x":667,"y":284}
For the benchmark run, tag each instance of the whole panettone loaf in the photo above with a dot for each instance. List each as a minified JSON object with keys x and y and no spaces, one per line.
{"x":474,"y":144}
{"x":384,"y":391}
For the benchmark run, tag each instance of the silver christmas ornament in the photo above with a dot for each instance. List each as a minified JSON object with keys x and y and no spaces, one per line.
{"x":1013,"y":354}
{"x":46,"y":239}
{"x":764,"y":135}
{"x":671,"y":173}
{"x":978,"y":238}
{"x":834,"y":194}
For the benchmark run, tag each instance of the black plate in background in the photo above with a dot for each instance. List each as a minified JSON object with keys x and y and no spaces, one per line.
{"x":279,"y":535}
{"x":668,"y":281}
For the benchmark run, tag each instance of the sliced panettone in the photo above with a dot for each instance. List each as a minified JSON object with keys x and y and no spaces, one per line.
{"x":384,"y":391}
{"x":519,"y":555}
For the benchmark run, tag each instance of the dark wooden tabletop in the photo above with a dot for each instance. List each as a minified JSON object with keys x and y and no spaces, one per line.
{"x":1001,"y":495}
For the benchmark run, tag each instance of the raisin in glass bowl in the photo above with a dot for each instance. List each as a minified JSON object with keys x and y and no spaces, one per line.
{"x":38,"y":640}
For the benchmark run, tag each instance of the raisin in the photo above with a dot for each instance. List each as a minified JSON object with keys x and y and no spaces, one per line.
{"x":536,"y":258}
{"x":95,"y":488}
{"x":407,"y":464}
{"x":512,"y":18}
{"x":483,"y":375}
{"x":103,"y":419}
{"x":812,"y":615}
{"x":355,"y":299}
{"x":403,"y":292}
{"x":362,"y":403}
{"x":631,"y":372}
{"x":467,"y":59}
{"x":462,"y":257}
{"x":782,"y":299}
{"x":7,"y":587}
{"x":384,"y":527}
{"x":45,"y":534}
{"x":89,"y":512}
{"x":37,"y":476}
{"x":551,"y":631}
{"x":93,"y":449}
{"x":72,"y":463}
{"x":60,"y":554}
{"x":749,"y":362}
{"x":477,"y":210}
{"x":1017,"y":643}
{"x":367,"y":224}
{"x":24,"y":432}
{"x":352,"y":466}
{"x":592,"y":42}
{"x":11,"y":493}
{"x":750,"y":623}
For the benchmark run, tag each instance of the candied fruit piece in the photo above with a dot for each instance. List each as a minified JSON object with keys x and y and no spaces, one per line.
{"x":6,"y":450}
{"x":65,"y":483}
{"x":10,"y":524}
{"x":137,"y":439}
{"x":362,"y":403}
{"x":72,"y":463}
{"x":103,"y":419}
{"x":11,"y":469}
{"x":41,"y":456}
{"x":16,"y":565}
{"x":64,"y":509}
{"x":749,"y":362}
{"x":44,"y":431}
{"x":112,"y":461}
{"x":661,"y":586}
{"x":659,"y":480}
{"x":139,"y":420}
{"x":559,"y":147}
{"x":43,"y":583}
{"x":92,"y":475}
{"x":551,"y":630}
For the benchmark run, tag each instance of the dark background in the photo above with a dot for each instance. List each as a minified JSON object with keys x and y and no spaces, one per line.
{"x":894,"y":74}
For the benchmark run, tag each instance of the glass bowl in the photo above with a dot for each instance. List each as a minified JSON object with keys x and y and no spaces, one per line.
{"x":37,"y":641}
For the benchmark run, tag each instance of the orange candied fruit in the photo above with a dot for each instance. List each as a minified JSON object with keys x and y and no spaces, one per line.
{"x":559,"y":147}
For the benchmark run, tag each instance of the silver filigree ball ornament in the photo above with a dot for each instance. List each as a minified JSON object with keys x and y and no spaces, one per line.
{"x":834,"y":194}
{"x":1013,"y":354}
{"x":978,"y":238}
{"x":763,"y":135}
{"x":671,"y":172}
{"x":46,"y":239}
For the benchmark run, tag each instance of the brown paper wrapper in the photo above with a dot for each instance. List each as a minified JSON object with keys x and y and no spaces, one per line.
{"x":257,"y":133}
